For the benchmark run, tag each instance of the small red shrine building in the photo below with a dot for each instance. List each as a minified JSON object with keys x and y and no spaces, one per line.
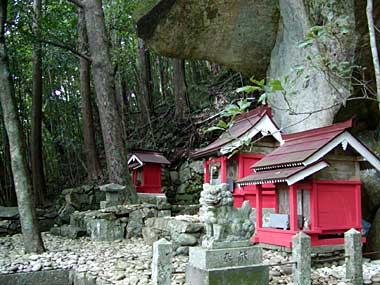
{"x":255,"y":134}
{"x":316,"y":174}
{"x":146,"y":170}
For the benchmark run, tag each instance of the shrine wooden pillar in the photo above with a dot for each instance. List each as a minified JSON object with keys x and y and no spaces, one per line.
{"x":206,"y":176}
{"x":259,"y":207}
{"x":223,"y":169}
{"x":293,"y":208}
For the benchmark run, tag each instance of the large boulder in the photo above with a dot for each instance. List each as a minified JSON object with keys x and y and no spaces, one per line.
{"x":262,"y":38}
{"x":373,"y":241}
{"x":312,"y":77}
{"x":239,"y":34}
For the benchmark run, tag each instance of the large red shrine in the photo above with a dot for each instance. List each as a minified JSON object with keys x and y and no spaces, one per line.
{"x":316,"y":178}
{"x":254,"y":134}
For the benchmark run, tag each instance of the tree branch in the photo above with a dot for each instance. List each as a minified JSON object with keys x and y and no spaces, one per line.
{"x":79,"y":3}
{"x":372,"y":38}
{"x":72,"y":50}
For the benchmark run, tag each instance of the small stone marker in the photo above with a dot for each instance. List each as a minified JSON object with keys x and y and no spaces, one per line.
{"x":162,"y":262}
{"x":353,"y":249}
{"x":301,"y":254}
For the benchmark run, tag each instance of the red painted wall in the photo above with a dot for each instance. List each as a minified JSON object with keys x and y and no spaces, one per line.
{"x":151,"y":179}
{"x":338,"y":205}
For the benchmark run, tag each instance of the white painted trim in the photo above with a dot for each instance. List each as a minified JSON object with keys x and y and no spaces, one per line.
{"x":306,"y":172}
{"x":353,"y":142}
{"x":133,"y":158}
{"x":265,"y":126}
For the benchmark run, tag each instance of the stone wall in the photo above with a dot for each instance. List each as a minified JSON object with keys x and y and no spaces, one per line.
{"x":184,"y":185}
{"x":182,"y":231}
{"x":10,"y":223}
{"x":113,"y":223}
{"x":82,"y":198}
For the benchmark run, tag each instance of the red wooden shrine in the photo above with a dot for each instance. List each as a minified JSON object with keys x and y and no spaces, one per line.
{"x":218,"y":168}
{"x":317,"y":184}
{"x":146,"y":170}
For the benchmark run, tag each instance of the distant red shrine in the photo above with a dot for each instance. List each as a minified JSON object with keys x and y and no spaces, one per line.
{"x":316,"y":177}
{"x":146,"y":170}
{"x":256,"y":125}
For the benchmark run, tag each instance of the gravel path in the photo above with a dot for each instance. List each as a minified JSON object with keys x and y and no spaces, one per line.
{"x":119,"y":262}
{"x":128,"y":261}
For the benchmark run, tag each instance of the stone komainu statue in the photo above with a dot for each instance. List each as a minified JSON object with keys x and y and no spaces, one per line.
{"x":223,"y":221}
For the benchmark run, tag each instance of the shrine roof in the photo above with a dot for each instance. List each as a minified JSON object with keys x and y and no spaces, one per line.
{"x":138,"y":158}
{"x":299,"y":147}
{"x":290,"y":175}
{"x":244,"y":124}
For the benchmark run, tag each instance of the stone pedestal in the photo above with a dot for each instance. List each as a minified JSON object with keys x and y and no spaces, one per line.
{"x":226,"y":266}
{"x":115,"y":195}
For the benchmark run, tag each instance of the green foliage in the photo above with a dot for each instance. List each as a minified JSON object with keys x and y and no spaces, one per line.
{"x":230,"y":111}
{"x":266,"y":89}
{"x":323,"y":36}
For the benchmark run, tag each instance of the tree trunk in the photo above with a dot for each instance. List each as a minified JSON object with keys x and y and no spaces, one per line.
{"x":36,"y":132}
{"x":6,"y":168}
{"x":119,"y":81}
{"x":375,"y":55}
{"x":195,"y":72}
{"x":180,"y":90}
{"x":28,"y":217}
{"x":92,"y":161}
{"x":103,"y":74}
{"x":163,"y":68}
{"x":146,"y":86}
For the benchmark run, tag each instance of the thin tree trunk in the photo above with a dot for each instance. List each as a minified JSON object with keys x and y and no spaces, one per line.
{"x":103,"y":74}
{"x":146,"y":86}
{"x":28,"y":217}
{"x":6,"y":172}
{"x":36,"y":135}
{"x":162,"y":66}
{"x":375,"y":56}
{"x":115,"y":41}
{"x":195,"y":72}
{"x":180,"y":90}
{"x":92,"y":161}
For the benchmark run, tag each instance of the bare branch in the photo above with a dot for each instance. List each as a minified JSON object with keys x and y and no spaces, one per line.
{"x":72,"y":50}
{"x":372,"y":38}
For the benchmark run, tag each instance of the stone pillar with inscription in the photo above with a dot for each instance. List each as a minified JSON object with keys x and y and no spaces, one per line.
{"x":226,"y":256}
{"x":354,"y":261}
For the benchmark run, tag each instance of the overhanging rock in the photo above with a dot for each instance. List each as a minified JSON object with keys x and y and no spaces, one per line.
{"x":239,"y":34}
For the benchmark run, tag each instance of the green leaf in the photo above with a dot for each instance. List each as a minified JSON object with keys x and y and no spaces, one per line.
{"x":259,"y":83}
{"x":248,"y":89}
{"x":231,"y":110}
{"x":263,"y":98}
{"x":276,"y":85}
{"x":305,"y":44}
{"x":233,"y":153}
{"x":244,"y":104}
{"x":222,"y":124}
{"x":214,"y":128}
